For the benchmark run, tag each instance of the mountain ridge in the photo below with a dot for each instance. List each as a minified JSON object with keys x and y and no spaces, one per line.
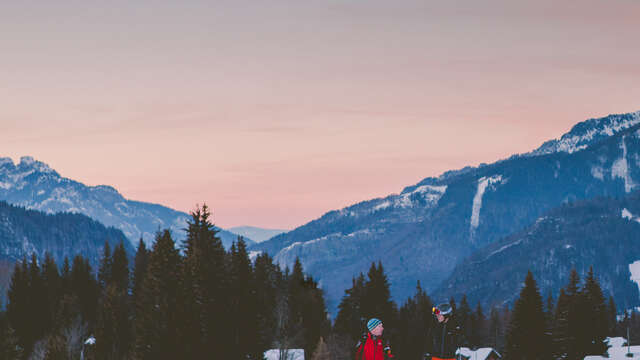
{"x":35,"y":185}
{"x":430,"y":226}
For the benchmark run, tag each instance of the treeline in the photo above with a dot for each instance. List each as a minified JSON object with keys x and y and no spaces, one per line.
{"x":571,"y":327}
{"x":200,"y":301}
{"x":195,"y":302}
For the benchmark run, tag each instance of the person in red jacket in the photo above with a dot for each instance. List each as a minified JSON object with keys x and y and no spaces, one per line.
{"x":371,"y":346}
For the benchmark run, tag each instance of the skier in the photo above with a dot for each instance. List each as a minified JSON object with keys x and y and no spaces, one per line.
{"x":371,"y":347}
{"x":445,"y":334}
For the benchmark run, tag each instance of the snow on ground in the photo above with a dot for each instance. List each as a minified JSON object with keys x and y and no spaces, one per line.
{"x":634,"y":269}
{"x":478,"y":354}
{"x":617,"y":350}
{"x":292,"y":354}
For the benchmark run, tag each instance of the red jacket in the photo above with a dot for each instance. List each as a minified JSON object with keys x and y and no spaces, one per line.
{"x":372,"y":349}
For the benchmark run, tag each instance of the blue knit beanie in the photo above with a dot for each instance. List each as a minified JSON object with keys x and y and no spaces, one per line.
{"x":371,"y":324}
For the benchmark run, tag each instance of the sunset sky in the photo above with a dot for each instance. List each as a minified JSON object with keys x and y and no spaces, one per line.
{"x":274,"y":112}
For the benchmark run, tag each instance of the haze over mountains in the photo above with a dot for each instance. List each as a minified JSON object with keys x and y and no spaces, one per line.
{"x":430,"y":227}
{"x":255,"y":233}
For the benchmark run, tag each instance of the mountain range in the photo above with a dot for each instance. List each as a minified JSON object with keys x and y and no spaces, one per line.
{"x":431,"y":227}
{"x":34,"y":185}
{"x":572,"y":202}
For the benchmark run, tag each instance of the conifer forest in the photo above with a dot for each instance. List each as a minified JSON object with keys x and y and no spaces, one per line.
{"x":195,"y":300}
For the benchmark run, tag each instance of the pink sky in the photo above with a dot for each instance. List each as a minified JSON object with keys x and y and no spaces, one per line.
{"x":275,"y":112}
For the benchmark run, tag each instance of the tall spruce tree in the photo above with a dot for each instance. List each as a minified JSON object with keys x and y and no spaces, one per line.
{"x":350,"y":321}
{"x":415,"y":321}
{"x":463,"y":317}
{"x":268,"y":279}
{"x":377,"y":300}
{"x":159,"y":309}
{"x":478,"y":333}
{"x":140,"y":264}
{"x":595,"y":318}
{"x":85,"y":288}
{"x":560,"y":330}
{"x":205,"y":288}
{"x":495,"y":328}
{"x":113,"y":326}
{"x":526,"y":337}
{"x":243,"y":308}
{"x":53,"y":289}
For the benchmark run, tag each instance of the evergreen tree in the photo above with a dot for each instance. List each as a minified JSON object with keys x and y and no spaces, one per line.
{"x":120,"y":269}
{"x":205,"y":288}
{"x":104,"y":271}
{"x":243,"y":308}
{"x":307,"y":319}
{"x":549,"y":312}
{"x":351,"y":319}
{"x":612,"y":317}
{"x":141,"y":262}
{"x":595,"y":318}
{"x":377,"y":300}
{"x":268,"y":279}
{"x":463,"y":320}
{"x":85,"y":288}
{"x":526,"y":337}
{"x":567,"y":323}
{"x":113,"y":326}
{"x":37,"y":316}
{"x":495,"y":328}
{"x":65,"y":277}
{"x":415,"y":321}
{"x":53,"y":289}
{"x":478,"y":333}
{"x":560,"y":334}
{"x":158,"y":309}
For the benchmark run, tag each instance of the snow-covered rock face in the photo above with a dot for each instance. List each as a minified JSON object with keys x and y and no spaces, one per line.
{"x":588,"y":132}
{"x":483,"y":184}
{"x":634,"y":269}
{"x":620,"y":168}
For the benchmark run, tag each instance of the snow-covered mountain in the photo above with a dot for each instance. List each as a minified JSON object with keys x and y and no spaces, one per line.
{"x":34,"y":185}
{"x":255,"y":233}
{"x":588,"y":132}
{"x":426,"y":230}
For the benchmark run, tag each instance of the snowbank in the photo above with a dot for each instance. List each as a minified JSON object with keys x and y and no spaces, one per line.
{"x":617,"y":351}
{"x":292,"y":354}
